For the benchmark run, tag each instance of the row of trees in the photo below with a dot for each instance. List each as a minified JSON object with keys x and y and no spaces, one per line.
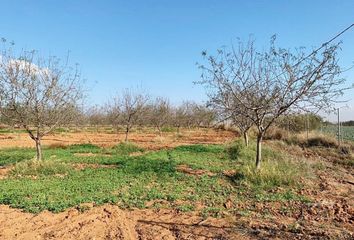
{"x":130,"y":109}
{"x":245,"y":87}
{"x":40,"y":94}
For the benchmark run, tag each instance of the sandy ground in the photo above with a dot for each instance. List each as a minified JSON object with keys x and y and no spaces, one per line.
{"x":110,"y":222}
{"x":147,"y":140}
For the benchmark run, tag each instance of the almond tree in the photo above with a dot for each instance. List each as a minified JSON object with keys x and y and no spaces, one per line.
{"x":270,"y":83}
{"x":179,"y":117}
{"x":38,"y":94}
{"x":96,"y":116}
{"x":229,"y":110}
{"x":203,"y":116}
{"x":131,"y":107}
{"x":160,"y":113}
{"x":243,"y":124}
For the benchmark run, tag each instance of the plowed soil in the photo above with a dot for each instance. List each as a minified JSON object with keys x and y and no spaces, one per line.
{"x":110,"y":222}
{"x":150,"y":140}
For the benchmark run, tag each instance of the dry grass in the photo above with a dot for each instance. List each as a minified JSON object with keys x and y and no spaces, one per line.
{"x":275,"y":133}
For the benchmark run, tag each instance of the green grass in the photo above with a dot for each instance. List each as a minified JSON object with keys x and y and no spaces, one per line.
{"x":126,"y":148}
{"x":84,"y":148}
{"x":56,"y":185}
{"x":13,"y":155}
{"x":11,"y":130}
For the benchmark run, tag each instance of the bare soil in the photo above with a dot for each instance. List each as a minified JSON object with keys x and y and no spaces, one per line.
{"x":151,"y":141}
{"x":110,"y":222}
{"x":198,"y":172}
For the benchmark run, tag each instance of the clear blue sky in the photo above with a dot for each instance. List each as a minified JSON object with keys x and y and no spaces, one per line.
{"x":156,"y":43}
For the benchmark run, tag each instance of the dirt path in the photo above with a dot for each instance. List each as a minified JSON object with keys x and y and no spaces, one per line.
{"x":110,"y":222}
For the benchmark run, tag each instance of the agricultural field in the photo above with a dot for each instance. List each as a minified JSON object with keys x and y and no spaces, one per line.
{"x":197,"y":184}
{"x":347,"y":132}
{"x":176,"y":120}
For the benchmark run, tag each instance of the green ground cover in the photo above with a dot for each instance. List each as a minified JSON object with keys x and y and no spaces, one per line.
{"x":128,"y":176}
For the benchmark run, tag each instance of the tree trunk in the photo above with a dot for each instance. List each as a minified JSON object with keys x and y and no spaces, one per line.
{"x":245,"y":137}
{"x":38,"y":149}
{"x":259,"y":150}
{"x":126,"y":134}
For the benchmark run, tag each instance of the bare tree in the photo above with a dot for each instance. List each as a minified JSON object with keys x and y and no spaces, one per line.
{"x":202,"y":116}
{"x":36,"y":93}
{"x":96,"y":116}
{"x":132,"y":107}
{"x":243,"y":124}
{"x":160,"y":113}
{"x":189,"y":110}
{"x":229,"y":110}
{"x":179,"y":117}
{"x":114,"y":113}
{"x":270,"y":83}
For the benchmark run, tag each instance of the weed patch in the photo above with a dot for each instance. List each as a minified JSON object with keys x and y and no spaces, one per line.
{"x":84,"y":148}
{"x":126,"y":148}
{"x":40,"y":168}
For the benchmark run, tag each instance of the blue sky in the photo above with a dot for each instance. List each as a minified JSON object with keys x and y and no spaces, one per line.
{"x":155,"y":44}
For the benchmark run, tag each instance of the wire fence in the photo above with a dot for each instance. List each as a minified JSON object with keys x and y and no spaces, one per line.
{"x":346,"y":133}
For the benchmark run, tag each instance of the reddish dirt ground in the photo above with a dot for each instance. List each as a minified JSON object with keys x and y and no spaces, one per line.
{"x":110,"y":222}
{"x":148,"y":140}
